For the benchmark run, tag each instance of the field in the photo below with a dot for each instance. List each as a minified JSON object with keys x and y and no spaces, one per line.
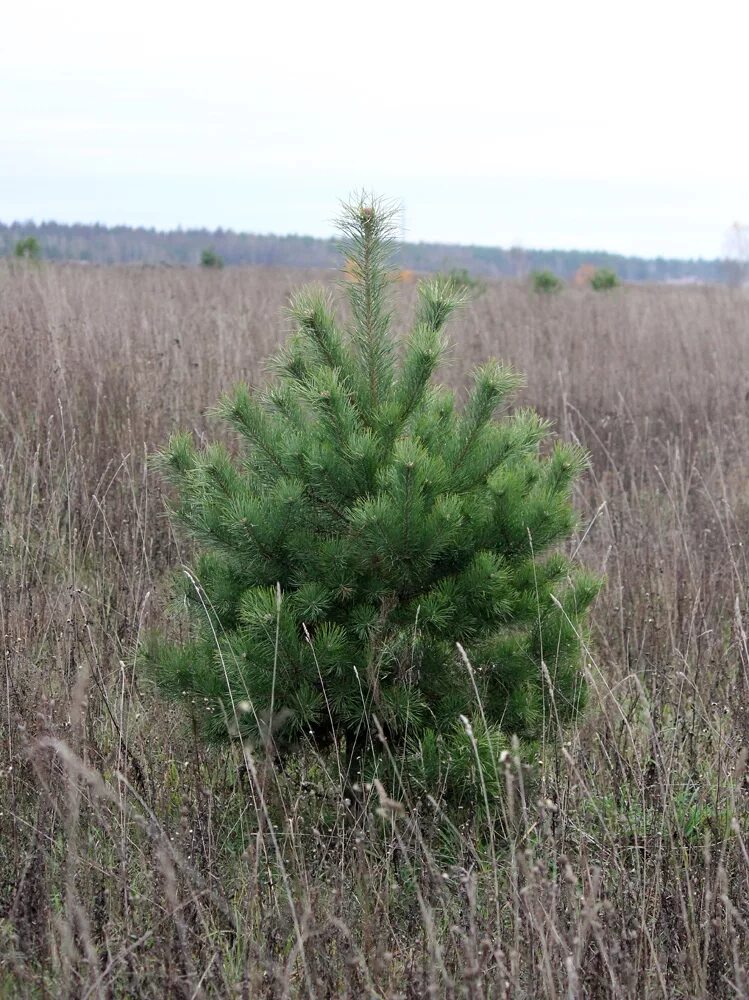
{"x":138,"y":864}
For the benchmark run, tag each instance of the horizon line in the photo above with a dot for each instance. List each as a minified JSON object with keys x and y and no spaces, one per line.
{"x":332,"y":239}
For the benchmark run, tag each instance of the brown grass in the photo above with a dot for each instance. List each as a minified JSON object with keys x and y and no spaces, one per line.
{"x":136,"y":864}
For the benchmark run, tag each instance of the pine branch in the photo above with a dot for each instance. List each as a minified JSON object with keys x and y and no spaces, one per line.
{"x":368,"y":229}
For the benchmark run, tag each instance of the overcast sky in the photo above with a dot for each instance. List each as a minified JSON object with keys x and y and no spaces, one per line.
{"x":617,"y":126}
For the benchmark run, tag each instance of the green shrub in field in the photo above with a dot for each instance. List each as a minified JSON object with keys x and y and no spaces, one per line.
{"x":603,"y":280}
{"x":367,"y":525}
{"x":545,"y":282}
{"x":209,"y":258}
{"x":463,"y":281}
{"x":27,"y":248}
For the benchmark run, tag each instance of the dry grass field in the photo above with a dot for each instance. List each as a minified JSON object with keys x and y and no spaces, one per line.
{"x":137,"y":864}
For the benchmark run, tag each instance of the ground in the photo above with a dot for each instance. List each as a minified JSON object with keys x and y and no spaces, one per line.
{"x":138,"y":863}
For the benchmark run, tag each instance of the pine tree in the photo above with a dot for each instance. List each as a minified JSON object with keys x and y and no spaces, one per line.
{"x":604,"y":280}
{"x":367,"y":527}
{"x":27,"y":248}
{"x":209,"y":258}
{"x":545,"y":282}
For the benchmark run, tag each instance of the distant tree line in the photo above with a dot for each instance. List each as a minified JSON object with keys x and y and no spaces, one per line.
{"x":125,"y":245}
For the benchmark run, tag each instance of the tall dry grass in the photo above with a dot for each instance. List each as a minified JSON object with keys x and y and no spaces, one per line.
{"x":136,"y":863}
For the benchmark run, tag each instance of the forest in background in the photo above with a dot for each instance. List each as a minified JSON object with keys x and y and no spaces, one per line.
{"x":99,"y":244}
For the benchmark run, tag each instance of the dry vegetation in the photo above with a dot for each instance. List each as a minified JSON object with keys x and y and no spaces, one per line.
{"x":136,"y":864}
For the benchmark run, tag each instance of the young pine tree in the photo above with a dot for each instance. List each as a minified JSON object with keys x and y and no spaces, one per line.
{"x":367,"y":526}
{"x":27,"y":248}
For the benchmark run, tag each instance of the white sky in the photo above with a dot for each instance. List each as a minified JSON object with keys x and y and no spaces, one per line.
{"x":620,"y":126}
